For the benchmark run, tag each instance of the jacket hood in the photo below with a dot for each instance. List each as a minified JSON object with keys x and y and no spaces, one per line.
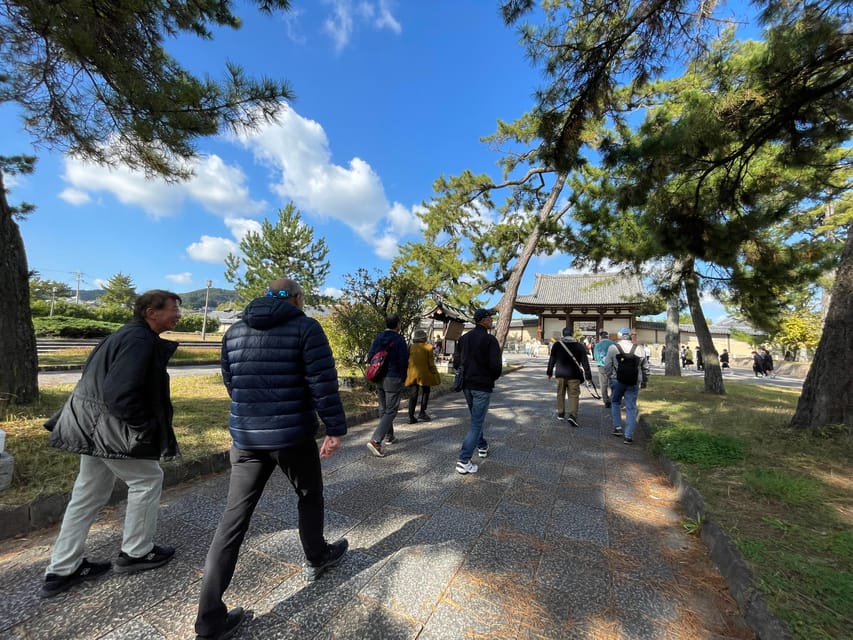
{"x":266,"y":312}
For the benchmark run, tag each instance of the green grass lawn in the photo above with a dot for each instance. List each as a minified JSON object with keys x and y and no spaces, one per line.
{"x":784,"y":497}
{"x":201,"y":425}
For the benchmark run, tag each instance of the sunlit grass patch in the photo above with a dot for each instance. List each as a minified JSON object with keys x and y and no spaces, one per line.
{"x":786,"y":500}
{"x":688,"y":444}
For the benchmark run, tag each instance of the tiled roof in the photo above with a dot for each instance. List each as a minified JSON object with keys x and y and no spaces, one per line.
{"x":594,"y":289}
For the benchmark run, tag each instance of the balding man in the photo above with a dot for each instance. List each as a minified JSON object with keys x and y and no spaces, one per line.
{"x":279,"y":370}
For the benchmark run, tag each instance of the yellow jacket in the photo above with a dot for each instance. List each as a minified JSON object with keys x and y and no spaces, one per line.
{"x":422,"y":369}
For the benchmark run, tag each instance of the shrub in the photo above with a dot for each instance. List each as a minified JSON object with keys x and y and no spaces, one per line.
{"x":195,"y":322}
{"x":114,"y":313}
{"x":64,"y":327}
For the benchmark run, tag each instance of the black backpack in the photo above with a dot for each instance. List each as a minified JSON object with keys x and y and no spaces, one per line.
{"x":627,"y":366}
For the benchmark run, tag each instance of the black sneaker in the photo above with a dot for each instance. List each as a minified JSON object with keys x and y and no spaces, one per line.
{"x":573,"y":421}
{"x":483,"y":451}
{"x":390,"y":439}
{"x":232,"y":623}
{"x":157,"y":557}
{"x":424,"y":417}
{"x":628,"y":440}
{"x":413,"y":420}
{"x":55,"y":584}
{"x":617,"y":431}
{"x":335,"y":552}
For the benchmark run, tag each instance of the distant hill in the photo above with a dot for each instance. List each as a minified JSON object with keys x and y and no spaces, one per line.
{"x":195,"y":299}
{"x":190,"y":299}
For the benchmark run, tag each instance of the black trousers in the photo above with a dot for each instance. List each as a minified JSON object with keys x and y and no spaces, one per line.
{"x":250,"y":471}
{"x":413,"y":398}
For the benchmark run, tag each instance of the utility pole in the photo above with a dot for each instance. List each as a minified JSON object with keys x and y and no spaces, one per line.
{"x":204,"y":321}
{"x":52,"y":299}
{"x":79,"y":277}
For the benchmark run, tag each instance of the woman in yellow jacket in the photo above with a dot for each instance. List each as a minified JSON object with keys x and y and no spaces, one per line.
{"x":421,"y":375}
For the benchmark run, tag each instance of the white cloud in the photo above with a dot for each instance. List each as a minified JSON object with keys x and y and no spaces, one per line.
{"x":404,"y":221}
{"x":385,"y":20}
{"x":346,"y":18}
{"x":75,"y":196}
{"x":211,"y":249}
{"x":354,"y":194}
{"x":386,"y":246}
{"x":332,"y":292}
{"x":180,"y":278}
{"x":218,"y":187}
{"x":214,"y":249}
{"x":239,"y":227}
{"x":339,"y":26}
{"x":291,"y":26}
{"x":100,"y":283}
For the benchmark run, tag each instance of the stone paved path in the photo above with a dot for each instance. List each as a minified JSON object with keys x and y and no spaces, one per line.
{"x":564,"y":533}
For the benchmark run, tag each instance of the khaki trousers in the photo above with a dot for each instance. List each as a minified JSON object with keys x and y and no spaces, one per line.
{"x":571,"y":387}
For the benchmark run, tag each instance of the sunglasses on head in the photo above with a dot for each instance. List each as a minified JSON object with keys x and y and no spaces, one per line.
{"x":281,"y":293}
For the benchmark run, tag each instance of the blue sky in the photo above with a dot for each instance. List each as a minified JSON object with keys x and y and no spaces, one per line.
{"x":389,"y":96}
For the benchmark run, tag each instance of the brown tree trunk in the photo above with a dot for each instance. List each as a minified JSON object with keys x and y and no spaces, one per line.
{"x":19,"y":370}
{"x":507,"y":302}
{"x":827,"y":396}
{"x":710,"y":357}
{"x":672,"y":366}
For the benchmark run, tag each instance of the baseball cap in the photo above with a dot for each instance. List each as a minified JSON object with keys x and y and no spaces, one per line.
{"x":479,"y":314}
{"x":624,"y":331}
{"x":603,"y":333}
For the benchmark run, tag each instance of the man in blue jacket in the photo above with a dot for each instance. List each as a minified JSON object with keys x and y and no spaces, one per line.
{"x":389,"y":388}
{"x":280,"y":373}
{"x":479,"y":355}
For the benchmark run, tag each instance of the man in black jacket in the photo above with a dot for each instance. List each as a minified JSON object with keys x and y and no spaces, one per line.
{"x":119,"y":418}
{"x":389,"y":388}
{"x":280,"y":373}
{"x":569,"y":361}
{"x":479,"y":355}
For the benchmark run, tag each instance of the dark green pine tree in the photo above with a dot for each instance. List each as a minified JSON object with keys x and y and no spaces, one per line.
{"x":95,"y":79}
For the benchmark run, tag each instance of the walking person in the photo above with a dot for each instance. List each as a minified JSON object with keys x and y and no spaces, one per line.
{"x":724,"y":359}
{"x":757,"y":364}
{"x":599,"y":352}
{"x":766,"y":363}
{"x":422,"y":374}
{"x":570,"y":364}
{"x":629,"y":372}
{"x":479,"y":355}
{"x":279,"y":371}
{"x":119,"y":419}
{"x":389,"y":388}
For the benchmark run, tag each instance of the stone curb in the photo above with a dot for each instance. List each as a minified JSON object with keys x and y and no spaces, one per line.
{"x":726,"y":557}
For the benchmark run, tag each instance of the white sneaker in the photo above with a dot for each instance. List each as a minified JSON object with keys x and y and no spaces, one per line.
{"x":466,"y":467}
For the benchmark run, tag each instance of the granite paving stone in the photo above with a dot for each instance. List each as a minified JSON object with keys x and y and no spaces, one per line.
{"x":578,"y":521}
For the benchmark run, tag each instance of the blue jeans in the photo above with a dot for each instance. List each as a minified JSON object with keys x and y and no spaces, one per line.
{"x":478,"y":405}
{"x":618,"y":391}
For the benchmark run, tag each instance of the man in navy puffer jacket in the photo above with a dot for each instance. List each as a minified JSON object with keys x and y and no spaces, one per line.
{"x":280,"y":373}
